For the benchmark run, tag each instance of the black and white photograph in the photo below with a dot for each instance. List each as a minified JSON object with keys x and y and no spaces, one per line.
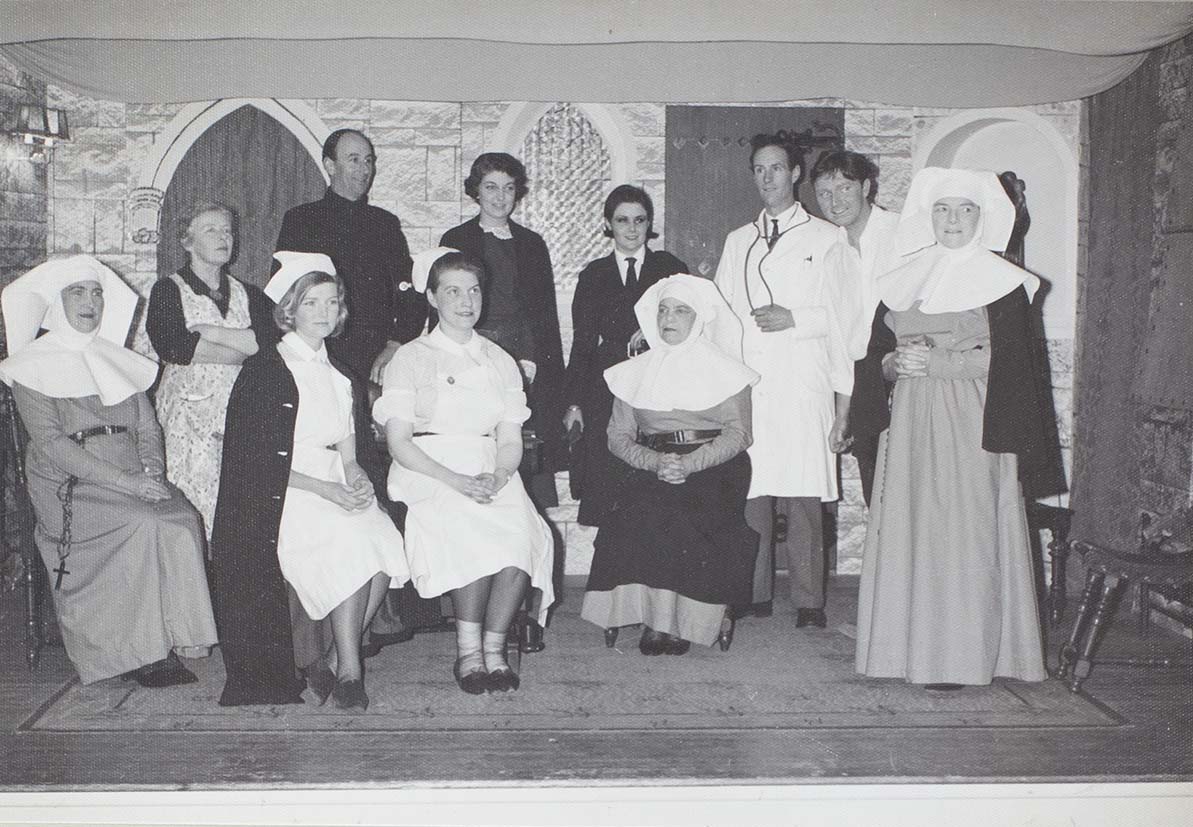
{"x":605,"y":412}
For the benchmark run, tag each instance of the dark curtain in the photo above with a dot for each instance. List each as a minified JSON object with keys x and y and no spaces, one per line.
{"x":1123,"y":122}
{"x":253,"y":164}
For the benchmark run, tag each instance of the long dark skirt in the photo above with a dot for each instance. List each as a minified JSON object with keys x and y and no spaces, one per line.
{"x":691,"y":539}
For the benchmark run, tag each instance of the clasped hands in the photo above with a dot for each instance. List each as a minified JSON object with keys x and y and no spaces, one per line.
{"x":356,"y":494}
{"x":671,"y":469}
{"x":772,"y":318}
{"x":482,"y":488}
{"x":910,"y":358}
{"x":146,"y":485}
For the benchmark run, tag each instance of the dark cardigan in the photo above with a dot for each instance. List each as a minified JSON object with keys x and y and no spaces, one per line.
{"x":252,"y":605}
{"x":1018,"y":411}
{"x":536,"y":297}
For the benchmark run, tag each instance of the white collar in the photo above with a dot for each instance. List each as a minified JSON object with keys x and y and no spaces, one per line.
{"x":474,"y":347}
{"x":621,"y":259}
{"x":787,"y":219}
{"x":504,"y":233}
{"x":302,"y":350}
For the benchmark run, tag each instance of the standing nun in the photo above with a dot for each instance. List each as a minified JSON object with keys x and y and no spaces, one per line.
{"x":947,"y":593}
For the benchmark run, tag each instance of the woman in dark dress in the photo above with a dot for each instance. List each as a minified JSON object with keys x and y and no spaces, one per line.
{"x":603,"y":323}
{"x":520,"y":313}
{"x":674,"y":550}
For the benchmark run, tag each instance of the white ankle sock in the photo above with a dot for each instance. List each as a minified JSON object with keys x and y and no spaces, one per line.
{"x":495,"y":651}
{"x":468,"y":646}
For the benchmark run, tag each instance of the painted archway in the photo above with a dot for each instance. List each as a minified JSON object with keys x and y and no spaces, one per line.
{"x":520,"y":118}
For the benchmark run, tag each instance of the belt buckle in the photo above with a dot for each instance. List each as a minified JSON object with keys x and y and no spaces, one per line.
{"x":680,"y":437}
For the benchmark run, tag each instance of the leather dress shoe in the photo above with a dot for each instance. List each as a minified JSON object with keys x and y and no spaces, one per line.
{"x":350,"y":694}
{"x":530,"y":637}
{"x":320,"y":680}
{"x":503,"y":680}
{"x":370,"y":650}
{"x":944,"y":687}
{"x":475,"y":682}
{"x":810,"y":617}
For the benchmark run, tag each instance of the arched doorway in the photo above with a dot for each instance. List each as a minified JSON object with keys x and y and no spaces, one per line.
{"x":255,"y":165}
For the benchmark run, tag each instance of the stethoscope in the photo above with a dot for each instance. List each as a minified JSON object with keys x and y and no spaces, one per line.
{"x":745,"y":267}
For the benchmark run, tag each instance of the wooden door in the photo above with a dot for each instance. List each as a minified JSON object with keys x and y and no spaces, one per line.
{"x":710,"y":189}
{"x":253,"y":164}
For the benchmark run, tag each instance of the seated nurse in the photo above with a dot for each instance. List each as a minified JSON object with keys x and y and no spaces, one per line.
{"x":452,"y":407}
{"x":124,"y":545}
{"x":294,"y":501}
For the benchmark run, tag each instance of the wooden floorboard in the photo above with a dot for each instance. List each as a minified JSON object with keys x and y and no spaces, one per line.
{"x":1153,"y":742}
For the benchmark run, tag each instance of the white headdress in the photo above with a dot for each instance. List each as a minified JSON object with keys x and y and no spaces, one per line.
{"x":66,"y":363}
{"x":295,"y":266}
{"x":423,"y":262}
{"x":694,"y":375}
{"x":949,"y":280}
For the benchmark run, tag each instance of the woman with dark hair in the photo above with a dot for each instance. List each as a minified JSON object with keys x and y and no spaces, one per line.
{"x":452,"y":408}
{"x":520,"y":313}
{"x":203,"y":323}
{"x":603,"y":323}
{"x":295,"y":504}
{"x":947,"y":595}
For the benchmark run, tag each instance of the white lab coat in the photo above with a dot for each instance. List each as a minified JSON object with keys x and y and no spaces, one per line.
{"x":801,"y":367}
{"x":853,"y":275}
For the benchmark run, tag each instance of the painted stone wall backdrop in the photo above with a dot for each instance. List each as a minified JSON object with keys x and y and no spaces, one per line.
{"x":424,"y":152}
{"x":23,"y":196}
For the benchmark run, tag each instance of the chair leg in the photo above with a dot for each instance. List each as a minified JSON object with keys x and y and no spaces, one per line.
{"x":1111,"y":593}
{"x":1145,"y":609}
{"x":1058,"y":554}
{"x":1085,"y":611}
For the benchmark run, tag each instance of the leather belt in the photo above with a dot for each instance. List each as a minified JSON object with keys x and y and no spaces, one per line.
{"x":656,"y":441}
{"x":97,"y":430}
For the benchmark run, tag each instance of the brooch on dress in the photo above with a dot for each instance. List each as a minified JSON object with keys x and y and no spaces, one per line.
{"x":451,"y":380}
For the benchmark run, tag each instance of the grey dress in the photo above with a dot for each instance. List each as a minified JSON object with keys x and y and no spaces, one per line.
{"x":947,"y":591}
{"x":136,"y":587}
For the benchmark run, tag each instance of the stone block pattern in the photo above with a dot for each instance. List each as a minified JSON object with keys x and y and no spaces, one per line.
{"x":425,"y":150}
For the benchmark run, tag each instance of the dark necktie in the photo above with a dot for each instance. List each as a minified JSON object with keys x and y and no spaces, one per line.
{"x":774,"y":234}
{"x":631,"y":275}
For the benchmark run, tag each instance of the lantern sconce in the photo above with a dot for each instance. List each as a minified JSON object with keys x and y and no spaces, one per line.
{"x":40,"y":127}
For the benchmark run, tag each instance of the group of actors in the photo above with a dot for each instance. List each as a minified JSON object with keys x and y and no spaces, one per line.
{"x":359,"y":425}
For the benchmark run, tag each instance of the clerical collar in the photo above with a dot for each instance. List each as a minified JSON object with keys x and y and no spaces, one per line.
{"x":335,"y":199}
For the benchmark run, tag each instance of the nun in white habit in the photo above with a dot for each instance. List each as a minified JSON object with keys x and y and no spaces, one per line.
{"x":947,"y":595}
{"x":124,"y":547}
{"x":675,"y":549}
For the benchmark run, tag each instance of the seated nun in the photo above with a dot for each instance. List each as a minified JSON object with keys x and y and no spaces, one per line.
{"x":124,"y":546}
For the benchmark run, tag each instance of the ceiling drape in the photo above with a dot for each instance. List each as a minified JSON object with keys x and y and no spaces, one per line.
{"x":906,"y":52}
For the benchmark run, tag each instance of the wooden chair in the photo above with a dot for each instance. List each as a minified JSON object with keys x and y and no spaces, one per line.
{"x":12,"y":454}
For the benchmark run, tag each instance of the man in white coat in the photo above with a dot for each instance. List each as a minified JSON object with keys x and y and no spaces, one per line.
{"x":772,"y":274}
{"x":846,"y":184}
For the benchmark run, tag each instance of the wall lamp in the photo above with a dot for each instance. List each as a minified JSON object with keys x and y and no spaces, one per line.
{"x":40,"y":127}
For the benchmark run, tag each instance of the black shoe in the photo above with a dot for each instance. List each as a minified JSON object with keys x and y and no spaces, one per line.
{"x":673,"y":645}
{"x":503,"y":680}
{"x":320,"y":680}
{"x":944,"y":687}
{"x":725,"y":638}
{"x":810,"y":617}
{"x":611,"y":636}
{"x":763,"y":608}
{"x":475,"y":682}
{"x":168,"y":671}
{"x":390,"y":638}
{"x":652,"y":642}
{"x":350,"y":694}
{"x":371,"y":649}
{"x":530,"y":637}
